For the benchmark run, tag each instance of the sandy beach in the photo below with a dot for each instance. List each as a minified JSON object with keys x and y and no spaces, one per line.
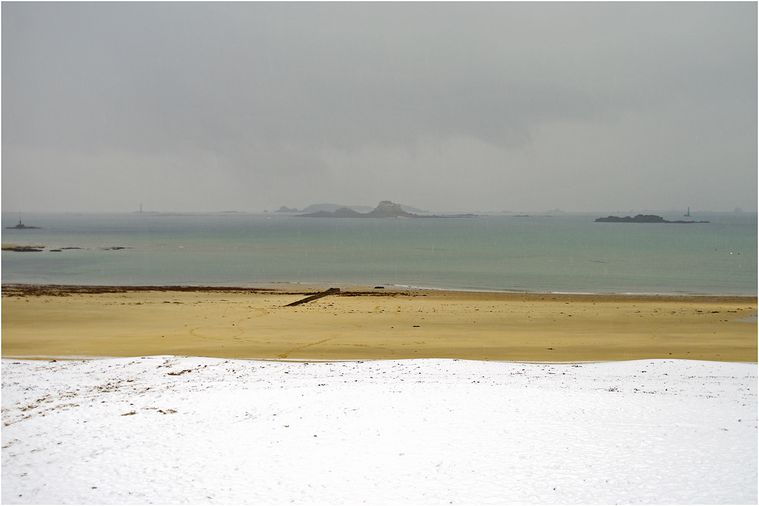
{"x":367,"y":323}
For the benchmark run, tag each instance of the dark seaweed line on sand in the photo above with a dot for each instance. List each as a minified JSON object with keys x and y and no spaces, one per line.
{"x":20,"y":290}
{"x":23,"y":290}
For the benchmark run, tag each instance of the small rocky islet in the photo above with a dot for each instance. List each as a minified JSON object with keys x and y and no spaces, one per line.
{"x":20,"y":226}
{"x":642,"y":218}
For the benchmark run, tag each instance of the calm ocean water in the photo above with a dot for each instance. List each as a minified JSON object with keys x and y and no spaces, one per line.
{"x":567,"y":253}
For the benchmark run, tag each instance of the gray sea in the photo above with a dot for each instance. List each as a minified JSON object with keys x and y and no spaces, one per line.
{"x":561,"y":253}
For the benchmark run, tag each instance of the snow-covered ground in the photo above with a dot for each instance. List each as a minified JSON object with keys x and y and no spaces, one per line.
{"x":174,"y":429}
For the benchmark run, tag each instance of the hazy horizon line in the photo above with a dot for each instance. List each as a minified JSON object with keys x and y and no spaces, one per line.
{"x":736,"y":210}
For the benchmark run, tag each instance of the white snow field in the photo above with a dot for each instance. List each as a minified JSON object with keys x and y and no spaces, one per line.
{"x":201,"y":430}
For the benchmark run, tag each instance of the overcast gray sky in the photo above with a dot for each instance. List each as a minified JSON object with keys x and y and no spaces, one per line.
{"x":444,"y":106}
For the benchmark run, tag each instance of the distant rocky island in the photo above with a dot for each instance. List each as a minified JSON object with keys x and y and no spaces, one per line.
{"x":642,"y":218}
{"x":385,"y":209}
{"x":315,"y":208}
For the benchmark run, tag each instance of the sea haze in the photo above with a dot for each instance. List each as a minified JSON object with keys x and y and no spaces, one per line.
{"x":564,"y":253}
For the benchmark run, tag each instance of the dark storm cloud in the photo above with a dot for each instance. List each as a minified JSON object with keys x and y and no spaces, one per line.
{"x":254,"y":105}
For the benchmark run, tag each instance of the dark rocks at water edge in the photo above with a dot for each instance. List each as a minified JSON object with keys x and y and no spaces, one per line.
{"x":642,"y":218}
{"x":385,"y":209}
{"x":23,"y":249}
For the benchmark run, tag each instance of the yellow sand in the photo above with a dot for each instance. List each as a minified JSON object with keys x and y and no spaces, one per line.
{"x":388,"y":326}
